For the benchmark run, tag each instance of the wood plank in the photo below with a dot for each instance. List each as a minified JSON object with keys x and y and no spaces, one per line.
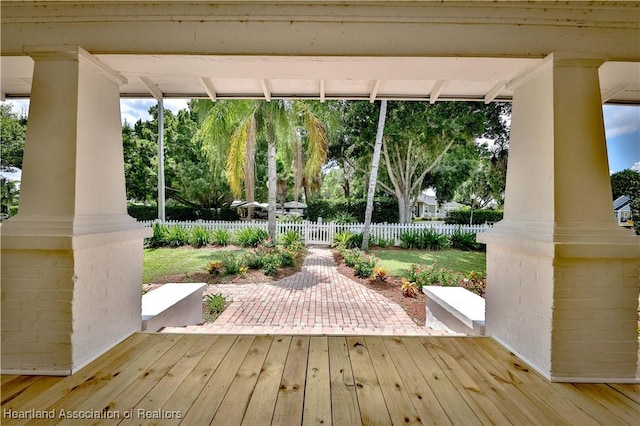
{"x":147,"y":380}
{"x":204,"y":407}
{"x":423,"y":398}
{"x":94,"y":375}
{"x":317,"y":394}
{"x":17,"y":387}
{"x":290,"y":402}
{"x":6,"y":378}
{"x":629,"y":390}
{"x":613,"y":401}
{"x":237,"y":398}
{"x":531,"y":384}
{"x":399,"y":405}
{"x":120,"y":380}
{"x":197,"y":379}
{"x":373,"y":409}
{"x":344,"y":401}
{"x":166,"y":387}
{"x":567,"y":392}
{"x":264,"y":397}
{"x":511,"y":399}
{"x":457,"y":404}
{"x":484,"y":404}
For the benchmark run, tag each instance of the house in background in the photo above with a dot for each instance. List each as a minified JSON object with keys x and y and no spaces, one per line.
{"x":427,"y":206}
{"x":622,"y":211}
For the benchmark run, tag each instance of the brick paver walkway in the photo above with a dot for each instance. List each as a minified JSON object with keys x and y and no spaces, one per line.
{"x":317,"y":300}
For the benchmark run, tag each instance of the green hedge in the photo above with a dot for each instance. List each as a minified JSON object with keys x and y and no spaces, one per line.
{"x":384,"y":210}
{"x":462,"y":216}
{"x":142,"y":212}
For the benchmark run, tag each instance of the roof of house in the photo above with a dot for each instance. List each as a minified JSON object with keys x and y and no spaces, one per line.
{"x":427,"y":199}
{"x":621,"y":202}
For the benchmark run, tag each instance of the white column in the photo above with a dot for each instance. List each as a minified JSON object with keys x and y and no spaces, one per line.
{"x":562,"y":277}
{"x":72,"y":257}
{"x":161,"y":191}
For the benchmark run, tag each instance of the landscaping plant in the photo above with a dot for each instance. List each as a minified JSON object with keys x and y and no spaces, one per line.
{"x":463,"y":240}
{"x":199,"y":237}
{"x":215,"y":305}
{"x":409,"y":289}
{"x":221,"y":237}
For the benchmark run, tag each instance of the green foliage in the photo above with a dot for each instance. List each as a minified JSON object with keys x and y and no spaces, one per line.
{"x":384,"y":209}
{"x":365,"y":266}
{"x":250,"y":237}
{"x":199,"y":237}
{"x":423,"y":239}
{"x":342,"y":240}
{"x":232,"y":264}
{"x":12,"y":134}
{"x":351,"y":256}
{"x":625,"y":182}
{"x":343,"y":218}
{"x":463,"y":240}
{"x":432,"y":275}
{"x":221,"y":237}
{"x":272,"y":263}
{"x":177,"y":236}
{"x":462,"y":216}
{"x":254,"y":260}
{"x":291,"y":239}
{"x":215,"y":305}
{"x":181,"y":213}
{"x":159,"y":238}
{"x":384,"y":242}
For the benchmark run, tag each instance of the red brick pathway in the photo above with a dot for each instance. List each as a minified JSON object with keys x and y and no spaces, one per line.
{"x":317,"y":300}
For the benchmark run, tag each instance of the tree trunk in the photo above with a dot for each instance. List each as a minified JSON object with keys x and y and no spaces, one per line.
{"x":375,"y":162}
{"x":271,"y":183}
{"x":250,"y":168}
{"x":404,"y":208}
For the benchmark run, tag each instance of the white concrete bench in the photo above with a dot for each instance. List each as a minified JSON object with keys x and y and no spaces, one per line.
{"x":172,"y":305}
{"x":454,"y":309}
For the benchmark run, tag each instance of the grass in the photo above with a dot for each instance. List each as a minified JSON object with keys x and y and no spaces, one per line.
{"x":160,"y":262}
{"x":397,"y":262}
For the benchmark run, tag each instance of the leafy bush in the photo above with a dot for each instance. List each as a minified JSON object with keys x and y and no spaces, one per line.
{"x":384,"y":242}
{"x":409,"y":289}
{"x":215,"y":267}
{"x":432,"y":275}
{"x":463,"y":240}
{"x":199,"y":237}
{"x":291,"y":239}
{"x":221,"y":237}
{"x":179,"y":212}
{"x":232,"y":264}
{"x":343,"y":218}
{"x":424,"y":239}
{"x":379,"y":274}
{"x":250,"y":237}
{"x":290,"y":219}
{"x":409,"y":240}
{"x":342,"y":239}
{"x":365,"y":266}
{"x":159,"y":237}
{"x":352,"y":256}
{"x":384,"y":209}
{"x":287,"y":258}
{"x":254,"y":260}
{"x":215,"y":305}
{"x":271,"y":264}
{"x":463,"y":215}
{"x":177,"y":236}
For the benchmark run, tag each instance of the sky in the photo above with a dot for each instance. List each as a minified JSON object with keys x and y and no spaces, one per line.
{"x":622,"y":127}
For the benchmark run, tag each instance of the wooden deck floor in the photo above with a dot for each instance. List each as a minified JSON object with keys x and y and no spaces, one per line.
{"x":260,"y":380}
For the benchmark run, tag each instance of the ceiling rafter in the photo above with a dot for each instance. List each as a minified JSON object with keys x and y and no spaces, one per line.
{"x":494,"y":91}
{"x":209,"y":88}
{"x":436,"y":91}
{"x":153,"y":88}
{"x":607,"y":95}
{"x":375,"y":86}
{"x":265,"y":89}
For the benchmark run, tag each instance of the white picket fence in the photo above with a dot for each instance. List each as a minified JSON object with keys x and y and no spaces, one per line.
{"x":323,"y":233}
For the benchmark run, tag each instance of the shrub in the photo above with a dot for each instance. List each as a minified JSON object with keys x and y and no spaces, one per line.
{"x":250,"y":237}
{"x":351,"y":257}
{"x":409,"y":289}
{"x":199,"y":237}
{"x":343,"y":218}
{"x":463,"y":240}
{"x":342,"y":239}
{"x":221,"y":237}
{"x":409,"y":240}
{"x":290,"y":219}
{"x":463,"y":215}
{"x":215,"y":305}
{"x":432,"y":275}
{"x":159,"y":237}
{"x":231,"y":264}
{"x":291,"y":239}
{"x":254,"y":260}
{"x":271,"y":264}
{"x":287,"y":258}
{"x":430,"y":239}
{"x":364,"y":267}
{"x":177,"y":236}
{"x":475,"y":282}
{"x":379,"y":274}
{"x":384,"y":242}
{"x":215,"y":267}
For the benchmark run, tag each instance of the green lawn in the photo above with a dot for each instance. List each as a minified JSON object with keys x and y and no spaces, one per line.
{"x":397,"y":262}
{"x":184,"y":260}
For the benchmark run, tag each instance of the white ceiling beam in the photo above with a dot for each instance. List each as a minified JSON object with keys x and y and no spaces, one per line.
{"x":609,"y":94}
{"x":375,"y":86}
{"x":265,"y":89}
{"x":322,"y":90}
{"x":209,"y":88}
{"x":494,"y":91}
{"x":436,"y":91}
{"x":153,"y":89}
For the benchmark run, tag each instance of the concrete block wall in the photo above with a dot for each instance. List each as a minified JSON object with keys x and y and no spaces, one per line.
{"x":37,"y":294}
{"x":107,"y":297}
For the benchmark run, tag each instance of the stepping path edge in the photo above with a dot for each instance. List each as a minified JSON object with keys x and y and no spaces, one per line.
{"x":318,"y":300}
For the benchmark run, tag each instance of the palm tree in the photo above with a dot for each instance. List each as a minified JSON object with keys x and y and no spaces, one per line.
{"x":231,"y":128}
{"x":373,"y":179}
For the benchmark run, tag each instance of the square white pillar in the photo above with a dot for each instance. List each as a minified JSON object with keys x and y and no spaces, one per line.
{"x":72,"y":257}
{"x":562,"y":277}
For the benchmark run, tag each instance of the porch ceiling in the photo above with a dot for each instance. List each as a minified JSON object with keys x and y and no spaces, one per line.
{"x":323,"y":77}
